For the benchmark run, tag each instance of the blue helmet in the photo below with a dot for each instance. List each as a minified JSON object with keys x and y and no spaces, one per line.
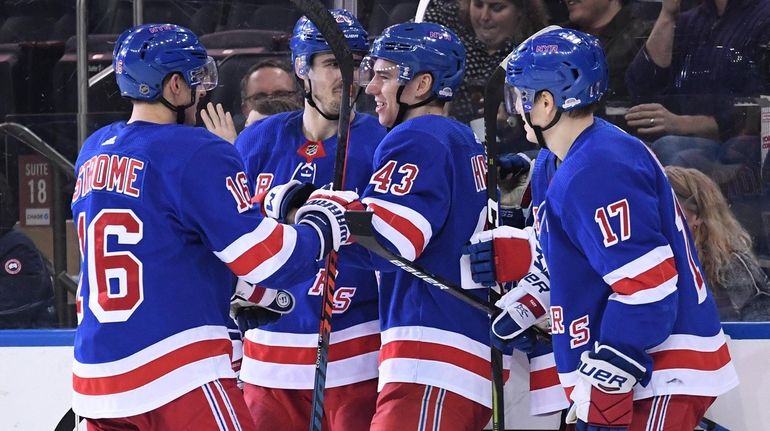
{"x":567,"y":63}
{"x":424,"y":47}
{"x":307,"y":40}
{"x":144,"y":55}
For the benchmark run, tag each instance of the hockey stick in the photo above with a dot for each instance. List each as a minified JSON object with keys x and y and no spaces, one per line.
{"x":493,"y":96}
{"x":316,"y":12}
{"x":360,"y":225}
{"x":422,"y":6}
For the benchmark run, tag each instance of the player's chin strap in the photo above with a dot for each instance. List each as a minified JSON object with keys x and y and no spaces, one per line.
{"x":311,"y":102}
{"x":309,"y":97}
{"x":404,"y":107}
{"x":179,"y":109}
{"x":539,"y":130}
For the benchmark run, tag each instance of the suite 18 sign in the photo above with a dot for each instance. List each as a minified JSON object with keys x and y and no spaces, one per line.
{"x":35,"y":197}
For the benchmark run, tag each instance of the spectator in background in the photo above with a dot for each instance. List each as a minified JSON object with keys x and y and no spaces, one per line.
{"x":267,"y":79}
{"x":621,"y":34}
{"x":266,"y":107}
{"x":26,"y":292}
{"x":739,"y":284}
{"x":489,"y":30}
{"x":220,"y":122}
{"x":691,"y":68}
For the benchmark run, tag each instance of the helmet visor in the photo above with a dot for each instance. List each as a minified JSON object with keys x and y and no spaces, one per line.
{"x":517,"y":101}
{"x":367,"y":72}
{"x":206,"y":76}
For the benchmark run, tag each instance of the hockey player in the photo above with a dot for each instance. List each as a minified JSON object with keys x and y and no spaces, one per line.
{"x":427,"y":192}
{"x":636,"y":336}
{"x":297,"y":150}
{"x":164,"y":220}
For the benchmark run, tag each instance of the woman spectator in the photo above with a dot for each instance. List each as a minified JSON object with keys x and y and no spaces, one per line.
{"x":739,"y":284}
{"x":489,"y":29}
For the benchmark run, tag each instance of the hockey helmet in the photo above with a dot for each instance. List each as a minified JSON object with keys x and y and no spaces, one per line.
{"x":307,"y":40}
{"x":567,"y":63}
{"x":418,"y":48}
{"x":144,"y":55}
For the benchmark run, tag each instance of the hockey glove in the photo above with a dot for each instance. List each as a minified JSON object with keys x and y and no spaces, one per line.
{"x":252,"y":306}
{"x":501,"y":255}
{"x":325,"y":212}
{"x":278,"y":201}
{"x":524,"y":306}
{"x":513,"y":165}
{"x":525,"y":341}
{"x":515,"y":194}
{"x":603,"y":396}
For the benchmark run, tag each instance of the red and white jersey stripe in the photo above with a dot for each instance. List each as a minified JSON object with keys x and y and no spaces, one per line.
{"x":435,"y":357}
{"x":649,"y":278}
{"x":287,"y":360}
{"x":545,"y":390}
{"x":258,"y":254}
{"x":683,"y":364}
{"x":404,"y":227}
{"x":154,"y":375}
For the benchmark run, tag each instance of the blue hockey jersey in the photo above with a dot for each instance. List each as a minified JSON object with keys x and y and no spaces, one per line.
{"x":283,"y":354}
{"x":428,"y":195}
{"x":164,"y":220}
{"x":623,"y":267}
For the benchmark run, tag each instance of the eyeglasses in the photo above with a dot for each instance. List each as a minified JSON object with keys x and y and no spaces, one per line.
{"x":274,"y":95}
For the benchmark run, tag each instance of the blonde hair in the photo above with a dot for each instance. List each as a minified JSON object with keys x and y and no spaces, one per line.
{"x":719,"y":234}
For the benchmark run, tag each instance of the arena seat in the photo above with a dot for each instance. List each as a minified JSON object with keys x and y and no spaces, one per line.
{"x":117,"y":15}
{"x":104,"y":97}
{"x":387,"y":12}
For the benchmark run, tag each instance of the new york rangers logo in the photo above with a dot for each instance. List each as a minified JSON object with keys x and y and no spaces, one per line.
{"x":548,"y":49}
{"x":12,"y":266}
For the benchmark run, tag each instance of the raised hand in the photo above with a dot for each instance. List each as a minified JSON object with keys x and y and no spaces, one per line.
{"x":219,"y":122}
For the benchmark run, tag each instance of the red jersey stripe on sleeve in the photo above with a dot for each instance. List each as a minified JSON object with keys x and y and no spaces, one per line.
{"x":403,"y":226}
{"x":258,"y":253}
{"x":648,"y":279}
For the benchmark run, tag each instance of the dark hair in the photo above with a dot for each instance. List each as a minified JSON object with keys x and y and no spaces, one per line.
{"x":9,"y":213}
{"x":268,"y":62}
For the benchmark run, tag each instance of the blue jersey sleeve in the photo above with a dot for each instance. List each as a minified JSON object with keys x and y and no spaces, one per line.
{"x":215,"y":201}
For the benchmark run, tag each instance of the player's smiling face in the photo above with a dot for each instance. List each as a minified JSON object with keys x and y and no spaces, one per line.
{"x":384,"y":87}
{"x":325,"y":76}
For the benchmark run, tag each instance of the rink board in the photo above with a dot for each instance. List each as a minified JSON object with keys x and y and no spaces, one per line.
{"x":36,"y":378}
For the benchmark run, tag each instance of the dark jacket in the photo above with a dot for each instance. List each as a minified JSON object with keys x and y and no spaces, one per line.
{"x":26,"y":292}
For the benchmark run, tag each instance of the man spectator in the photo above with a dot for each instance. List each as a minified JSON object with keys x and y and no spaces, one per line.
{"x":621,"y":34}
{"x":267,"y":79}
{"x":691,"y":68}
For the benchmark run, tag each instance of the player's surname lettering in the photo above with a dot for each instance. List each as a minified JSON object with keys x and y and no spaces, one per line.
{"x":111,"y":173}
